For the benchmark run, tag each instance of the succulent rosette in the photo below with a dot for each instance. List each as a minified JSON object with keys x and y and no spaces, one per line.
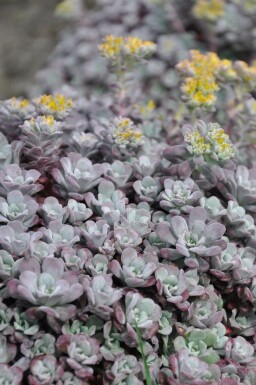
{"x":192,"y":239}
{"x":18,"y":207}
{"x":83,"y":353}
{"x":101,"y":295}
{"x":78,"y":175}
{"x":47,"y":288}
{"x":135,"y":271}
{"x":179,"y":196}
{"x":12,"y":177}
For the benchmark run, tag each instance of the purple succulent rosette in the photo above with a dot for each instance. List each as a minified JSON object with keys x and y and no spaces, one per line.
{"x":192,"y":239}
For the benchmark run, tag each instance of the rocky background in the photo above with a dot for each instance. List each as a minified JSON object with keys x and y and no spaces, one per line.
{"x":28,"y":33}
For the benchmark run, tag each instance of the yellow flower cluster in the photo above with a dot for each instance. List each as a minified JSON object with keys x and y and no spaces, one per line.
{"x":54,"y":104}
{"x":45,"y":123}
{"x":208,"y":9}
{"x":136,"y":46}
{"x":111,"y":46}
{"x":19,"y":103}
{"x":126,"y":133}
{"x":201,"y":77}
{"x":198,"y":143}
{"x":49,"y":120}
{"x":222,"y":145}
{"x":119,"y":47}
{"x":212,"y":141}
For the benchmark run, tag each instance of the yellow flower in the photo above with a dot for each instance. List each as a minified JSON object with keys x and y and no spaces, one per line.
{"x":222,"y":145}
{"x":200,"y":63}
{"x":111,"y":46}
{"x":197,"y":143}
{"x":49,"y":120}
{"x":115,"y":48}
{"x":17,"y":103}
{"x":208,"y":9}
{"x":125,"y":133}
{"x":54,"y":104}
{"x":210,"y":140}
{"x":136,"y":46}
{"x":202,"y":73}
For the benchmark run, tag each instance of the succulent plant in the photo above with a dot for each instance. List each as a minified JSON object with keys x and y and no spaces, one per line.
{"x":127,"y":218}
{"x":5,"y":317}
{"x":171,"y":282}
{"x":126,"y":237}
{"x":78,"y":176}
{"x":188,"y":369}
{"x":241,"y":224}
{"x":101,"y":295}
{"x":8,"y":351}
{"x":9,"y":153}
{"x":83,"y":352}
{"x":39,"y":249}
{"x":147,"y":189}
{"x":124,"y":368}
{"x":206,"y":312}
{"x":89,"y":327}
{"x":228,"y":260}
{"x":43,"y":345}
{"x":11,"y":375}
{"x":138,"y":218}
{"x":142,"y":313}
{"x":118,"y":172}
{"x":6,"y":264}
{"x":23,"y":325}
{"x":240,"y":186}
{"x":12,"y":177}
{"x":239,"y":350}
{"x":52,"y":210}
{"x":75,"y":259}
{"x":95,"y":233}
{"x":14,"y":238}
{"x":60,"y":235}
{"x":192,"y":239}
{"x":18,"y":207}
{"x":204,"y":344}
{"x":112,"y":343}
{"x":179,"y":196}
{"x":246,"y":269}
{"x":77,"y":212}
{"x":213,"y":207}
{"x":70,"y":379}
{"x":242,"y":324}
{"x":42,"y":370}
{"x":42,"y":141}
{"x":46,"y":288}
{"x":135,"y":271}
{"x":110,"y":203}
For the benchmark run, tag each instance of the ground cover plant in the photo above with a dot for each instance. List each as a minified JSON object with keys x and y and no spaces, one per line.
{"x":128,"y":201}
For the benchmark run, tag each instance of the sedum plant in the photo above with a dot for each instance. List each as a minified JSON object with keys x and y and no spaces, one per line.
{"x":127,"y":201}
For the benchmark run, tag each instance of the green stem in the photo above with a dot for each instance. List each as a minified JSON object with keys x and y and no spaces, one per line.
{"x":146,"y":368}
